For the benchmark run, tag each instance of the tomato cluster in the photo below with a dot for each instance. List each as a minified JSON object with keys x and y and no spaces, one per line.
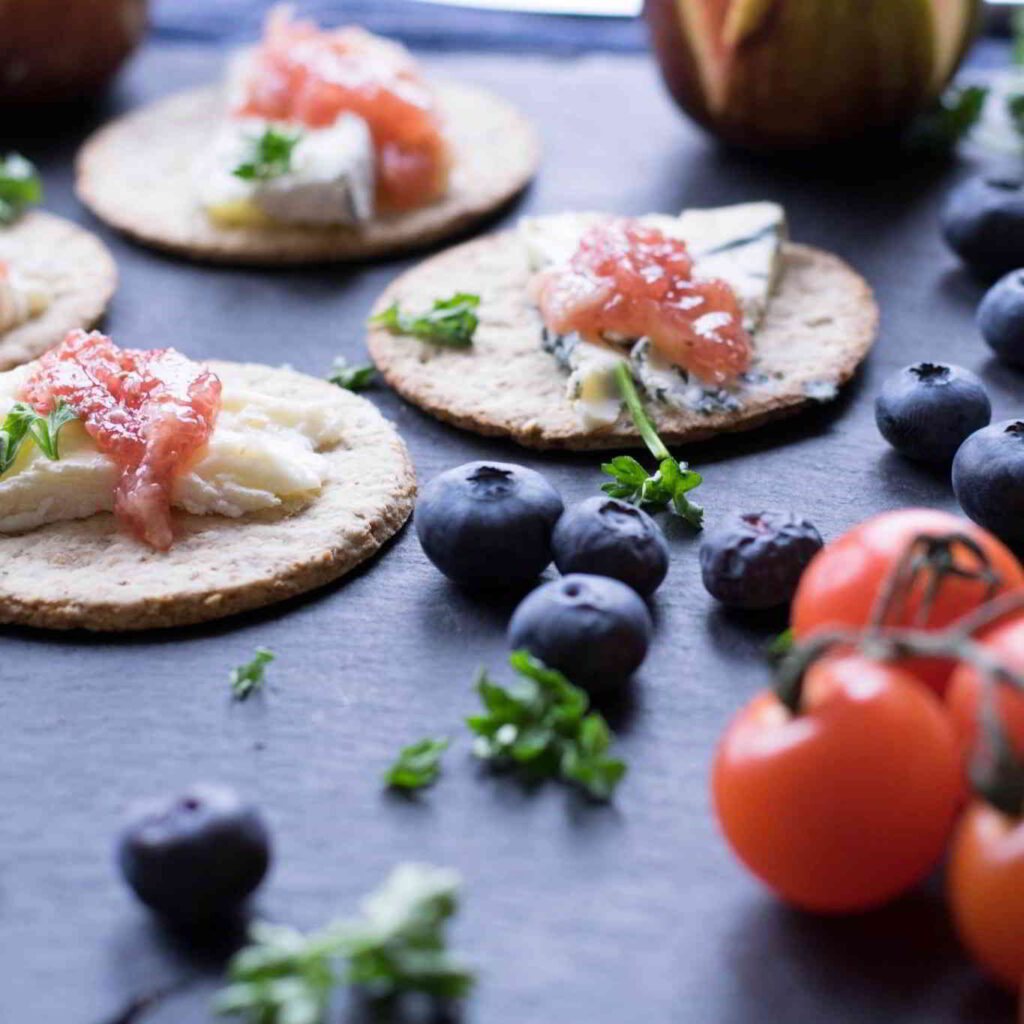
{"x":842,"y":788}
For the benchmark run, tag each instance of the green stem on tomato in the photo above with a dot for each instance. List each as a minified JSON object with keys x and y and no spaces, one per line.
{"x":636,"y":409}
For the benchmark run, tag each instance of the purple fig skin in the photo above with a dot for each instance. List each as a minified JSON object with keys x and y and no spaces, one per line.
{"x":856,"y":69}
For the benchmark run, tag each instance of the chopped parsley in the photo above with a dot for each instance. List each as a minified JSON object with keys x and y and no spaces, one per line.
{"x":541,"y":728}
{"x":398,"y":945}
{"x":781,"y":645}
{"x":669,"y":486}
{"x":270,"y":155}
{"x":20,"y":187}
{"x":449,"y":322}
{"x":951,"y":117}
{"x":23,"y":423}
{"x":352,"y":378}
{"x":250,"y":677}
{"x":417,"y":765}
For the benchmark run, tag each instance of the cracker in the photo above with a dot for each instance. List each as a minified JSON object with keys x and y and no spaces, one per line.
{"x":137,"y":175}
{"x":74,"y":267}
{"x":87,"y":574}
{"x":819,"y":326}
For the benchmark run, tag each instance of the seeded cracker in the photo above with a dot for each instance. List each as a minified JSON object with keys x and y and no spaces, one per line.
{"x":87,"y":574}
{"x":137,"y":175}
{"x":820,"y":324}
{"x":72,"y":265}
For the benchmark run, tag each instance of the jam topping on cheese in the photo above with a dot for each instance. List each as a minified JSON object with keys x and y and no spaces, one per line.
{"x":304,"y":74}
{"x":627,"y":280}
{"x":151,"y":412}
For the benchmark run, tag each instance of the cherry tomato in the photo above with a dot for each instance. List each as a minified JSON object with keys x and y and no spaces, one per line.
{"x":841,"y":585}
{"x":986,"y":890}
{"x":849,"y":803}
{"x":963,"y":699}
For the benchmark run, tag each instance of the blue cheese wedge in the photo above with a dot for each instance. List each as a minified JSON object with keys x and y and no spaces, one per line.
{"x":591,"y":385}
{"x":739,"y":244}
{"x":265,"y":452}
{"x":330,"y":183}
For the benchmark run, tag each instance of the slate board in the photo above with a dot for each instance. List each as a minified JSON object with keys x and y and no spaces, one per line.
{"x":635,"y":912}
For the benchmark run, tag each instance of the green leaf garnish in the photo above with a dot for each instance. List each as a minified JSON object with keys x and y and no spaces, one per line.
{"x":417,"y":765}
{"x":541,"y":727}
{"x":398,"y":945}
{"x":20,"y":186}
{"x":952,"y":116}
{"x":673,"y":480}
{"x":23,"y":422}
{"x":352,"y":378}
{"x":250,"y":677}
{"x":781,"y":645}
{"x":270,"y":155}
{"x":1015,"y":108}
{"x":449,"y":322}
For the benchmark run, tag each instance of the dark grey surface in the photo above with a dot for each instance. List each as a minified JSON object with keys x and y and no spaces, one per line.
{"x":634,"y":912}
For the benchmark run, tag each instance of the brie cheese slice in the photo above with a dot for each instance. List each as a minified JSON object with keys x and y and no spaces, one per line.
{"x":263,"y":453}
{"x":331,"y":182}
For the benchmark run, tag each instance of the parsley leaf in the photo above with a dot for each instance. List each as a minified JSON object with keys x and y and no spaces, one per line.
{"x":23,"y":422}
{"x":630,"y":481}
{"x":20,"y":186}
{"x":541,"y":728}
{"x":270,"y":155}
{"x":953,"y":115}
{"x":250,"y":677}
{"x":781,"y":645}
{"x":352,"y":378}
{"x":398,"y":945}
{"x":449,"y":322}
{"x":417,"y":765}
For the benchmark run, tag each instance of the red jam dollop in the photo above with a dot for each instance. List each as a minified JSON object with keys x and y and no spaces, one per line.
{"x":626,"y":281}
{"x":150,"y":411}
{"x":303,"y":73}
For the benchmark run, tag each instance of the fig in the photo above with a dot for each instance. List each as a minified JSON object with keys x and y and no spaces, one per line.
{"x":779,"y":74}
{"x":55,"y":51}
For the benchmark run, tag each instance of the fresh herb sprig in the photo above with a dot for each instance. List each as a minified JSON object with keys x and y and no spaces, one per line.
{"x":352,"y":378}
{"x":669,"y":486}
{"x":451,"y":322}
{"x":20,"y":187}
{"x":951,"y":117}
{"x":542,"y":728}
{"x":270,"y":155}
{"x":417,"y":765}
{"x":398,"y":945}
{"x":23,"y":423}
{"x":247,"y":679}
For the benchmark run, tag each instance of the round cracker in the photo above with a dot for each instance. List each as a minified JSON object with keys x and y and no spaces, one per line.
{"x":88,"y":574}
{"x":74,"y":267}
{"x":819,"y":326}
{"x":137,"y":174}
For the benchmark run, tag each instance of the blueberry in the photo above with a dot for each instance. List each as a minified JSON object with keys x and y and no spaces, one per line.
{"x":197,"y":856}
{"x":1001,"y":317}
{"x":593,"y":629}
{"x":988,"y":479}
{"x":983,"y":222}
{"x":488,"y":524}
{"x":609,"y":537}
{"x":755,"y":559}
{"x":927,"y":410}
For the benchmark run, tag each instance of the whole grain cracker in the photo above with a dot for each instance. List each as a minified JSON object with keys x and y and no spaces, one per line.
{"x":819,"y":326}
{"x":73,"y":266}
{"x":87,"y":574}
{"x":137,"y":175}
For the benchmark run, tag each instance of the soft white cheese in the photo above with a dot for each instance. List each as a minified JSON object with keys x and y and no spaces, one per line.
{"x":264,"y":451}
{"x":331,"y":181}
